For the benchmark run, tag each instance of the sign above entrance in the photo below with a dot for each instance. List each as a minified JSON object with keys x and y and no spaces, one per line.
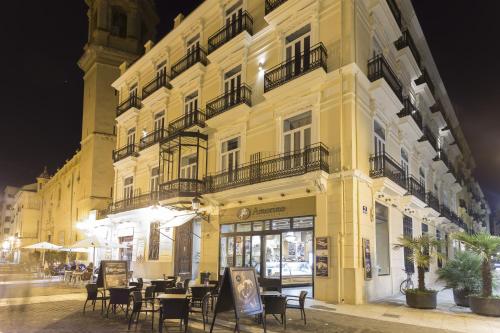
{"x":280,"y":209}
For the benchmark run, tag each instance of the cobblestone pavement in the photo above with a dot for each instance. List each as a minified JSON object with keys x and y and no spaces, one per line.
{"x":28,"y":289}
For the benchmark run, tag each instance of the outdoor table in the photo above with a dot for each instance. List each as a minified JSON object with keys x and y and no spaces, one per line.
{"x":171,"y":296}
{"x":77,"y":277}
{"x":270,"y":293}
{"x":120,"y":296}
{"x":211,"y":286}
{"x":67,"y":276}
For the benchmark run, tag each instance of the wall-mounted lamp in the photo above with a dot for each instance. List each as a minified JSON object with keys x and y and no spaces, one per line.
{"x":261,"y":66}
{"x":195,"y":205}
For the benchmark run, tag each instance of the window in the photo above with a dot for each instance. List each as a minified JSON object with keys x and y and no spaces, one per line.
{"x":230,"y":155}
{"x":382,"y":240}
{"x":297,"y":50}
{"x":425,"y":231}
{"x":232,"y":83}
{"x":118,"y":22}
{"x":161,"y":70}
{"x":421,"y":173}
{"x":192,"y":47}
{"x":408,"y":233}
{"x":128,"y":188}
{"x":405,"y":164}
{"x":379,"y":138}
{"x":155,"y":178}
{"x":159,"y":125}
{"x":191,"y":103}
{"x":133,"y":90}
{"x":233,"y":16}
{"x":439,"y":249}
{"x":297,"y":132}
{"x":131,"y":137}
{"x":154,"y":241}
{"x":189,"y":167}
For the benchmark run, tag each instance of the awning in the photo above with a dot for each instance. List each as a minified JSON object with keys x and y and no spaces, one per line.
{"x":178,"y":220}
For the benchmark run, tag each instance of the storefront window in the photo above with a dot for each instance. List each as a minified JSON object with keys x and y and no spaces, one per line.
{"x":226,"y":228}
{"x":258,"y":226}
{"x":382,"y":240}
{"x":244,"y":227}
{"x":281,"y":224}
{"x":303,"y":222}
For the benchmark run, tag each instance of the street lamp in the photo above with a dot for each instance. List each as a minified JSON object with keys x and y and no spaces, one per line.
{"x":195,"y":205}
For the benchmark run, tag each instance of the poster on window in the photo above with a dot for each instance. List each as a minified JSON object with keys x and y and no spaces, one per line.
{"x":367,"y":259}
{"x":322,"y":256}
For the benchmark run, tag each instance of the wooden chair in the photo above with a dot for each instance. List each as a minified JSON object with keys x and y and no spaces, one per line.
{"x":298,"y":303}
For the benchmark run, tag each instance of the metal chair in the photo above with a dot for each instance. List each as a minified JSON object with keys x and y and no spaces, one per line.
{"x":275,"y":305}
{"x":93,"y":296}
{"x":299,"y":304}
{"x":138,"y":285}
{"x":174,"y":309}
{"x":197,"y":295}
{"x":203,"y":309}
{"x":141,"y":306}
{"x":120,"y":297}
{"x":175,"y":291}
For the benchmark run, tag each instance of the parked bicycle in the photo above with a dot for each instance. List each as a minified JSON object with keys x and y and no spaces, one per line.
{"x":407,"y":283}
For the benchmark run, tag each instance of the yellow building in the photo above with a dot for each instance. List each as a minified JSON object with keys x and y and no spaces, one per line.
{"x":313,"y":132}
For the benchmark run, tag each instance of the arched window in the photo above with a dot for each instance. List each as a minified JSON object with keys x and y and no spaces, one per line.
{"x":118,"y":22}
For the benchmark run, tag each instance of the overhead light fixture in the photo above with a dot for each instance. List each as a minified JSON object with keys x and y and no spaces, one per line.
{"x":261,"y":67}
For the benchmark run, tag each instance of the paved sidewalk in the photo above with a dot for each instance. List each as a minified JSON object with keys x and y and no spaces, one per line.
{"x":447,"y":316}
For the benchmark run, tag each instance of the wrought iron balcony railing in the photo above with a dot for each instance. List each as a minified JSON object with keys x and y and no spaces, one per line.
{"x":410,"y":110}
{"x":134,"y":202}
{"x":441,"y":155}
{"x":187,"y":120}
{"x":161,"y":81}
{"x":182,"y":187}
{"x":243,"y":22}
{"x":432,"y":201}
{"x":128,"y":150}
{"x":199,"y":55}
{"x":416,"y":188}
{"x":241,"y":95}
{"x":425,"y":78}
{"x":378,"y":68}
{"x":428,"y":136}
{"x":407,"y":41}
{"x":396,"y":12}
{"x":152,"y":138}
{"x":132,"y":102}
{"x":311,"y":158}
{"x":307,"y":61}
{"x":383,"y":165}
{"x":272,"y":5}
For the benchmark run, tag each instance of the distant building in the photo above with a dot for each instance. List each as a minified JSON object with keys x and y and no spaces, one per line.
{"x":7,"y":200}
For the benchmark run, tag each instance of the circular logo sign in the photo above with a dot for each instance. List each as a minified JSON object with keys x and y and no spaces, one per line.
{"x":243,"y":213}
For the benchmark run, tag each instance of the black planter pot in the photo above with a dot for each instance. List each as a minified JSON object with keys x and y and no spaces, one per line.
{"x":485,"y":306}
{"x":461,"y":297}
{"x":420,"y":300}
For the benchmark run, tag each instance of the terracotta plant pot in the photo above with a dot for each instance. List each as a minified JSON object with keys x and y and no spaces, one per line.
{"x":485,"y":306}
{"x":422,"y":300}
{"x":461,"y":297}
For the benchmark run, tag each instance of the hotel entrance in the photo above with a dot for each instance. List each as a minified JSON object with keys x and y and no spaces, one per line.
{"x":280,"y":250}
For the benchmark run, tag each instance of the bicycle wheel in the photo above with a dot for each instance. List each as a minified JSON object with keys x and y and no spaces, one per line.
{"x":403,"y":287}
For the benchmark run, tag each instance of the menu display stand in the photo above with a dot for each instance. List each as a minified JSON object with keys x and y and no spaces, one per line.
{"x":239,"y":292}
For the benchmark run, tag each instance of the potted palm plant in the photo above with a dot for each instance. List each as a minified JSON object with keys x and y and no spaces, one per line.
{"x":463,"y":275}
{"x":487,"y":247}
{"x":422,"y":250}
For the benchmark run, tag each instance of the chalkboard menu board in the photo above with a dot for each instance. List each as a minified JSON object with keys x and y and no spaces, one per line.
{"x":239,"y":292}
{"x":367,"y":259}
{"x":113,"y":273}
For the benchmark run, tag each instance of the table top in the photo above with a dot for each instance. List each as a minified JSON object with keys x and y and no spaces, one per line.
{"x":122,"y":288}
{"x":171,"y":296}
{"x":271,"y":293}
{"x":169,"y":280}
{"x":202,"y":286}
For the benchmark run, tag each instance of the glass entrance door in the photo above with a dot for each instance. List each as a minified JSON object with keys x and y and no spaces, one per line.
{"x":272,"y":257}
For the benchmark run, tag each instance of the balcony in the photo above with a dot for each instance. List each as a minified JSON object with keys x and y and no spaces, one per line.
{"x":407,"y":41}
{"x":430,"y":139}
{"x":182,"y":187}
{"x":442,"y":157}
{"x":162,"y":81}
{"x":244,"y":22}
{"x":152,"y":138}
{"x":272,"y":5}
{"x":306,"y":62}
{"x":416,"y":189}
{"x":122,"y":153}
{"x":229,"y":100}
{"x":135,"y":202}
{"x":131,"y":102}
{"x":409,"y":110}
{"x":432,"y":201}
{"x":378,"y":68}
{"x":395,"y":11}
{"x":384,"y":166}
{"x":194,"y":118}
{"x":312,"y":158}
{"x":425,"y":78}
{"x":192,"y":58}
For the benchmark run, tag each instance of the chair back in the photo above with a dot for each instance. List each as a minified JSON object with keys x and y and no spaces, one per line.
{"x":215,"y":290}
{"x":140,"y":283}
{"x":149,"y":292}
{"x":175,"y":308}
{"x":91,"y":291}
{"x":199,"y":292}
{"x":178,"y":291}
{"x":170,"y":284}
{"x":275,"y":304}
{"x":160,"y":285}
{"x":186,"y":283}
{"x":302,"y":298}
{"x":119,"y":296}
{"x":137,"y":299}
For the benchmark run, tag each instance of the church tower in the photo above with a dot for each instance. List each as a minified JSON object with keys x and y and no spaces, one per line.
{"x":118,"y":30}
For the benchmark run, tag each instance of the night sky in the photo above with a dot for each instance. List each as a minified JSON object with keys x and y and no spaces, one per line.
{"x":41,"y":95}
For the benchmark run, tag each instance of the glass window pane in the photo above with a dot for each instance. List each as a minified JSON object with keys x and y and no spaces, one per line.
{"x":267,"y":225}
{"x":281,"y":224}
{"x":244,"y":227}
{"x":303,"y":222}
{"x":227,"y":228}
{"x":258,"y":226}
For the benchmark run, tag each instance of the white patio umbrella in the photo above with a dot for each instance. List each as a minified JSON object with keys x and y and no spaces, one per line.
{"x":94,"y":242}
{"x":43,"y":246}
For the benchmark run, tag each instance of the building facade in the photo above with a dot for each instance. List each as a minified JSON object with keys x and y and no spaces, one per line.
{"x":7,"y":200}
{"x":310,"y":133}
